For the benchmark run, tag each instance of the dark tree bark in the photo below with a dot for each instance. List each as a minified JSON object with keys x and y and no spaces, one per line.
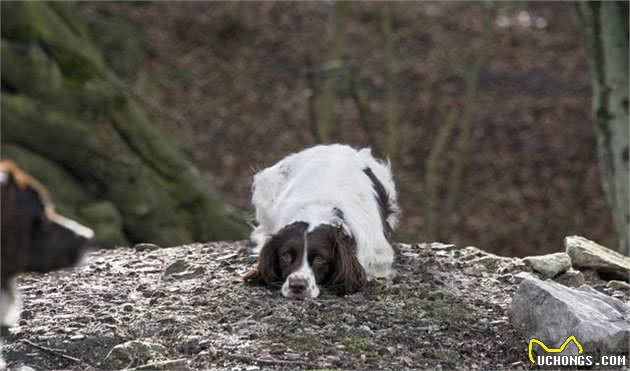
{"x":68,"y":119}
{"x":606,"y":32}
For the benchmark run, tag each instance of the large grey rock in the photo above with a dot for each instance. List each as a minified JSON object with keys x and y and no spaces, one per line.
{"x":551,"y":312}
{"x":133,"y":353}
{"x":549,"y":265}
{"x":588,"y":254}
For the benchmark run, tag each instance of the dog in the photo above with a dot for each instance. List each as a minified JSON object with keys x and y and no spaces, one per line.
{"x":326,"y":218}
{"x":34,"y":237}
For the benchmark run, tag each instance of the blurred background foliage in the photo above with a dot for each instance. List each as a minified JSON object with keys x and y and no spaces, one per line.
{"x":483,"y":109}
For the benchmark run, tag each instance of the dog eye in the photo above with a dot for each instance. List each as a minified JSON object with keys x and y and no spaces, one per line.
{"x":319,"y":260}
{"x":287,"y":257}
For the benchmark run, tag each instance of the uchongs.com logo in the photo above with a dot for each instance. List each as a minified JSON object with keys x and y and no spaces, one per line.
{"x":554,"y":357}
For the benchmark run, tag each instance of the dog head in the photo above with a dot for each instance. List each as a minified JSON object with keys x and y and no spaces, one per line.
{"x":34,"y":237}
{"x":302,"y":260}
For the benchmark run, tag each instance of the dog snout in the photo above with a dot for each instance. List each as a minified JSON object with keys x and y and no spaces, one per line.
{"x":297,"y":285}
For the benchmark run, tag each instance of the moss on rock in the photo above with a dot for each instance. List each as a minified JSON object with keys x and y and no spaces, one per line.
{"x":112,"y":167}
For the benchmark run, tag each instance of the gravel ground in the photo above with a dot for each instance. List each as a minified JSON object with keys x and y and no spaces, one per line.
{"x":445,"y":308}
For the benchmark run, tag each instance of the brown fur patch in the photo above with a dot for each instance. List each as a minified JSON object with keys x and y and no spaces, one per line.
{"x":25,"y":181}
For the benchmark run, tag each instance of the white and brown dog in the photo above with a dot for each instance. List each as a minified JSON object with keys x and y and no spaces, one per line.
{"x":326,"y":218}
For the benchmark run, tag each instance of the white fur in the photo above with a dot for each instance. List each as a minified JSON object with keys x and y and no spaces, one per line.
{"x":307,"y":186}
{"x":76,"y":228}
{"x":306,"y":273}
{"x":9,"y":306}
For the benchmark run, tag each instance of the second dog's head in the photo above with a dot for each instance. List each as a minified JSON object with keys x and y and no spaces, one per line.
{"x":34,"y":237}
{"x":304,"y":259}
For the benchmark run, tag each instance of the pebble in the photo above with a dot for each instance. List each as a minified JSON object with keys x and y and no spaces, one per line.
{"x":618,"y":285}
{"x":146,"y":247}
{"x":366,"y":329}
{"x":177,"y":266}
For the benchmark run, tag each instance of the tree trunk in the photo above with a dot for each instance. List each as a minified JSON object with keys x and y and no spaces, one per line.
{"x":69,"y":120}
{"x":606,"y":32}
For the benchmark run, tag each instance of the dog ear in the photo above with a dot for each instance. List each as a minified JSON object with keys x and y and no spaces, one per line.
{"x":348,"y":276}
{"x":267,"y":270}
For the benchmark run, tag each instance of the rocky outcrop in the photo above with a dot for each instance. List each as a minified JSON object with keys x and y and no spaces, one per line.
{"x":549,"y":265}
{"x":586,"y":254}
{"x":551,"y":312}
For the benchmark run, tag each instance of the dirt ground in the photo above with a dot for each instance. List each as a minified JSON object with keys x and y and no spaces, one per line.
{"x":440,"y":311}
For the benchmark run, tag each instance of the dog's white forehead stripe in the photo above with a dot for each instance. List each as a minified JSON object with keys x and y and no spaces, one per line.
{"x":4,"y":177}
{"x":304,"y":272}
{"x":75,"y":227}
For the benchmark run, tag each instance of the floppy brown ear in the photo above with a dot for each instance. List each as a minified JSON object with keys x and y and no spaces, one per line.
{"x":267,"y":270}
{"x":349,"y":275}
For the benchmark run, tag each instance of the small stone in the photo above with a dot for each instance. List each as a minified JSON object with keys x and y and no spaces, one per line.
{"x":471,"y":252}
{"x":127,"y":307}
{"x":366,"y":329}
{"x":475,"y":270}
{"x":618,"y":285}
{"x":177,"y":266}
{"x":549,"y":265}
{"x":292,"y":356}
{"x":175,"y":364}
{"x":189,"y":274}
{"x":571,"y":278}
{"x":77,"y":337}
{"x":441,"y":246}
{"x":146,"y":247}
{"x":491,"y":262}
{"x":134,"y":352}
{"x":498,"y":321}
{"x":618,"y":294}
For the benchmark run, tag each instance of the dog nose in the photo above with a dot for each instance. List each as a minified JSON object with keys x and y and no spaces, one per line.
{"x":297,"y":285}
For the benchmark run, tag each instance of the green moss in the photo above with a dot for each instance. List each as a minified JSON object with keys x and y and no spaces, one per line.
{"x":449,"y":358}
{"x":356,"y":344}
{"x":101,"y":137}
{"x":303,"y":343}
{"x":37,"y":22}
{"x":20,"y":22}
{"x":29,"y":70}
{"x":106,"y":221}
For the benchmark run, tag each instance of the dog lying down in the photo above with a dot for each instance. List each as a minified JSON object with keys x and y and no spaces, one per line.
{"x":34,"y":237}
{"x":326,"y":218}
